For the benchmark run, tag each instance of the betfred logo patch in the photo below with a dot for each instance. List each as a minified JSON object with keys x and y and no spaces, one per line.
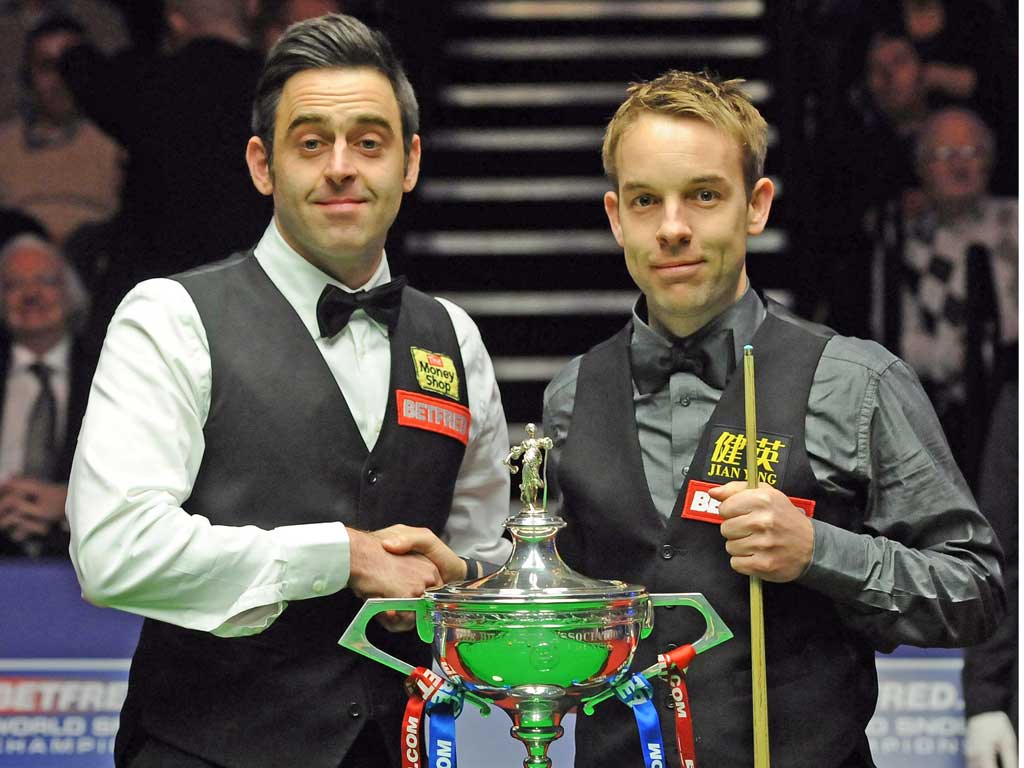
{"x":435,"y":372}
{"x":698,"y":504}
{"x":433,"y":415}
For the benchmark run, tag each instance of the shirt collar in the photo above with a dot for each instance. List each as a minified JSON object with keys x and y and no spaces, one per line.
{"x":743,"y":317}
{"x":57,"y":358}
{"x":299,"y":281}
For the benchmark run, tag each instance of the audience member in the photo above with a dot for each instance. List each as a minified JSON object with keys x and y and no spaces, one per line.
{"x":58,"y":167}
{"x":272,"y":17}
{"x":873,"y":155}
{"x":991,"y":669}
{"x":960,"y":224}
{"x":188,"y":198}
{"x":102,"y":21}
{"x":894,"y":80}
{"x":46,"y":376}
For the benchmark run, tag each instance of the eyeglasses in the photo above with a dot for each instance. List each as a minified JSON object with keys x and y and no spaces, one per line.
{"x":42,"y":281}
{"x":966,"y":152}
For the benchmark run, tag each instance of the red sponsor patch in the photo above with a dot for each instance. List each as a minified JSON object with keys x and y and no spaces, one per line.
{"x":698,"y":504}
{"x":433,"y":415}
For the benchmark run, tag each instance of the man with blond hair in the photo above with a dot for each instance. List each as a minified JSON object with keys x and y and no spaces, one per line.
{"x":652,"y":420}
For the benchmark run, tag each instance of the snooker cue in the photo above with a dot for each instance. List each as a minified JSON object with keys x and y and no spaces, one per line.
{"x":758,"y":664}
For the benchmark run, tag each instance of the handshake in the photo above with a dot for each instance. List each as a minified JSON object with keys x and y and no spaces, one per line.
{"x":400,"y":561}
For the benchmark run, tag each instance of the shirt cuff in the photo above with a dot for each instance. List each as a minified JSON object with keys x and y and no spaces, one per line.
{"x":839,"y":564}
{"x":477,"y":569}
{"x":315,"y":559}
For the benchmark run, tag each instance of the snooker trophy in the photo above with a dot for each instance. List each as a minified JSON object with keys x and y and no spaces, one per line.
{"x":534,"y":638}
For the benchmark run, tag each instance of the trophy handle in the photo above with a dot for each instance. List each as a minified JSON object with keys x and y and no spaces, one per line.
{"x":355,"y":636}
{"x":716,"y":632}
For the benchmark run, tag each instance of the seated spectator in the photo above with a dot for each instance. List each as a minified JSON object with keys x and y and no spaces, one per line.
{"x":960,"y":223}
{"x":57,"y":166}
{"x":45,"y":384}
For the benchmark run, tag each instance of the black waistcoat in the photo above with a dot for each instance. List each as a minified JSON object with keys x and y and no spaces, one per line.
{"x":282,"y":448}
{"x":821,"y":680}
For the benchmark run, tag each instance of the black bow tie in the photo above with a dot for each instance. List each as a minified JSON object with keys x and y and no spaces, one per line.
{"x":335,"y":306}
{"x":711,"y":359}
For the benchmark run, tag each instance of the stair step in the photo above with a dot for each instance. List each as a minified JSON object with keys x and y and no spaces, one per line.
{"x":609,"y":9}
{"x":504,"y":140}
{"x":520,"y":243}
{"x":529,"y":189}
{"x":543,"y":303}
{"x":517,"y":95}
{"x":605,"y":47}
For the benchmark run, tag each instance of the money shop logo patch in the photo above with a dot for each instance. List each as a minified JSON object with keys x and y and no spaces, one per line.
{"x":435,"y":372}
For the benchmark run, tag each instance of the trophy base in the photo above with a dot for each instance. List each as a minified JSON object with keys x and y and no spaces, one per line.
{"x":536,"y":718}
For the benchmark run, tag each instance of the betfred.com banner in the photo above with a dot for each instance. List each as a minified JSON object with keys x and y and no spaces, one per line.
{"x":919,"y":720}
{"x":60,"y":712}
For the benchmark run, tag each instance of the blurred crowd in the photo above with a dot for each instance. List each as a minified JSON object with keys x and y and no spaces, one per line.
{"x":914,"y":181}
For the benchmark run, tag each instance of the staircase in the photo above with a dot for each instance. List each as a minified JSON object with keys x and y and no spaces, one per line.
{"x":509,"y":221}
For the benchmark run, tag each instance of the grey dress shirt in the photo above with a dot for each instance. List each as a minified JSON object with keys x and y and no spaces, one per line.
{"x":922,"y":571}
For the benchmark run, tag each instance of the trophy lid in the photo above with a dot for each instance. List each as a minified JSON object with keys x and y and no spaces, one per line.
{"x":534,"y":570}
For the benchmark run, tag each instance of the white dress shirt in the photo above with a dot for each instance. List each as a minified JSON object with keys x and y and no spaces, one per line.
{"x":134,"y":546}
{"x":20,"y":394}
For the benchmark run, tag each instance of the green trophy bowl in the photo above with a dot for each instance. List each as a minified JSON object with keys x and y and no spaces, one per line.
{"x":534,"y":638}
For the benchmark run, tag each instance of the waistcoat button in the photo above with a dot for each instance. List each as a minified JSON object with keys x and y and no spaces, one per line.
{"x":354,"y":710}
{"x":667,"y":551}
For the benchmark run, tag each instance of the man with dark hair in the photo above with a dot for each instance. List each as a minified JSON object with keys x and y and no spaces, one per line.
{"x":274,"y":437}
{"x":650,"y":440}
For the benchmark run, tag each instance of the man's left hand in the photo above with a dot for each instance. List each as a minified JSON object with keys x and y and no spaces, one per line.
{"x":765,"y":534}
{"x":30,"y":507}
